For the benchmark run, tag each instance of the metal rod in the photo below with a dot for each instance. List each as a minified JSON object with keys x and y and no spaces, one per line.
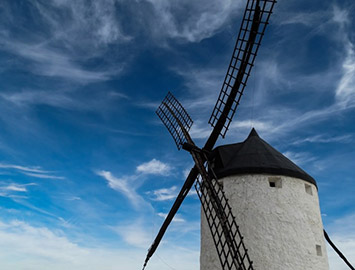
{"x":341,"y":255}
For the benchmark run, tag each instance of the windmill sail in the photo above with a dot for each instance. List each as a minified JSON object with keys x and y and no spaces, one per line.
{"x":178,"y":201}
{"x":228,"y":240}
{"x":171,"y":113}
{"x":255,"y":20}
{"x":233,"y":253}
{"x":178,"y":122}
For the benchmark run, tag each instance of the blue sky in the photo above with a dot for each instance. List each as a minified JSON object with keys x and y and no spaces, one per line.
{"x":88,"y":172}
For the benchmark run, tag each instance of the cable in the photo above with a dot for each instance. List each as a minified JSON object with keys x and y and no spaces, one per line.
{"x":253,"y":101}
{"x":341,"y":255}
{"x":165,"y":262}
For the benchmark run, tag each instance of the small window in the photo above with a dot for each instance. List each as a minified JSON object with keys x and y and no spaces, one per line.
{"x":319,"y":250}
{"x":308,"y":189}
{"x":221,"y":184}
{"x":275,"y":182}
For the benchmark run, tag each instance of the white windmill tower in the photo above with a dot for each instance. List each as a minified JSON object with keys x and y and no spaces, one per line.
{"x":275,"y":203}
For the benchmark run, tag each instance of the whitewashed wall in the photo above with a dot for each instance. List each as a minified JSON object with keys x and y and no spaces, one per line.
{"x":281,"y":225}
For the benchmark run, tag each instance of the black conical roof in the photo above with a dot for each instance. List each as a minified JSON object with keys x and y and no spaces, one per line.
{"x":254,"y":155}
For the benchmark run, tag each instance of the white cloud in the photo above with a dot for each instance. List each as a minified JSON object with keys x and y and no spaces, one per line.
{"x":91,"y":20}
{"x":74,"y":198}
{"x":22,"y":168}
{"x":340,"y":16}
{"x":64,"y":46}
{"x":165,"y":194}
{"x":345,"y":92}
{"x":44,"y":176}
{"x":190,"y":21}
{"x":128,"y":184}
{"x":135,"y":234}
{"x":50,"y":62}
{"x":324,"y":138}
{"x":312,"y":19}
{"x":248,"y":124}
{"x":15,"y":191}
{"x":121,"y":185}
{"x":299,"y":158}
{"x":58,"y":99}
{"x":203,"y":84}
{"x":36,"y":172}
{"x":15,"y":187}
{"x":11,"y":190}
{"x":200,"y":131}
{"x":154,"y":167}
{"x":42,"y":248}
{"x":22,"y":236}
{"x":176,"y":218}
{"x":63,"y":99}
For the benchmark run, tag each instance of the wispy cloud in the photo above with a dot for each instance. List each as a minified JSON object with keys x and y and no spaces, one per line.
{"x":189,"y":21}
{"x":63,"y":47}
{"x":36,"y":172}
{"x":300,"y":158}
{"x":14,"y":190}
{"x":309,"y":19}
{"x":200,"y":130}
{"x":121,"y":185}
{"x":324,"y":138}
{"x":72,"y":99}
{"x":44,"y":176}
{"x":135,"y":234}
{"x":22,"y":168}
{"x":164,"y":194}
{"x":345,"y":92}
{"x":340,"y":16}
{"x":74,"y":198}
{"x":248,"y":124}
{"x":154,"y":167}
{"x":127,"y":185}
{"x":34,"y":97}
{"x":42,"y":248}
{"x":53,"y":63}
{"x":18,"y":187}
{"x":176,"y":218}
{"x":94,"y":22}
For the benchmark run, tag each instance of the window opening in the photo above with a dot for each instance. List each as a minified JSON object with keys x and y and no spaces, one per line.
{"x":319,"y":250}
{"x":308,"y":189}
{"x":275,"y":182}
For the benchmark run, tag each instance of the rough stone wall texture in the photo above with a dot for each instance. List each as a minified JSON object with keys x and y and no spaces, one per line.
{"x":281,"y":225}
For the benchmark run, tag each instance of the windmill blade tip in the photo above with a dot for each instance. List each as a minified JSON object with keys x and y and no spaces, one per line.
{"x":144,"y":265}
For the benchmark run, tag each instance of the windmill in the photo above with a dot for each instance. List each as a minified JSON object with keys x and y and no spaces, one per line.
{"x":226,"y":235}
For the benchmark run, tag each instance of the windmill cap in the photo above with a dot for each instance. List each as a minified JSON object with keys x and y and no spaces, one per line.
{"x":254,"y":156}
